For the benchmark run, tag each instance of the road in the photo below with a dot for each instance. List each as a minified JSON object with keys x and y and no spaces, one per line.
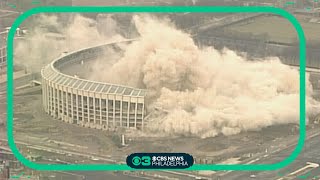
{"x":98,"y":175}
{"x":93,"y":175}
{"x":299,"y":168}
{"x":310,"y":154}
{"x":311,"y":150}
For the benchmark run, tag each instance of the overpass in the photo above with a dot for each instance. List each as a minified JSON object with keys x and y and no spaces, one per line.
{"x":20,"y":80}
{"x":6,"y":13}
{"x":308,"y":69}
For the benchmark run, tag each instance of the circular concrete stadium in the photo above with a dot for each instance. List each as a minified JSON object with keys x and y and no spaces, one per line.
{"x":90,"y":103}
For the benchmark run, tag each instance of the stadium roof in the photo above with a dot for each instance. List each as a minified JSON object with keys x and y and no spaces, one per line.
{"x":54,"y":75}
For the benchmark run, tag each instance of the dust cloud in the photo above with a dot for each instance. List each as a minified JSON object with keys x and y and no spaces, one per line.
{"x":205,"y":92}
{"x":51,"y":36}
{"x":192,"y":91}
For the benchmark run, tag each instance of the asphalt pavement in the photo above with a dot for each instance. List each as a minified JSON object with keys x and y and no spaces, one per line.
{"x":296,"y":170}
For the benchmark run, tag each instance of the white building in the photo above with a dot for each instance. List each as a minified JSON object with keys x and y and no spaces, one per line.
{"x":89,"y":103}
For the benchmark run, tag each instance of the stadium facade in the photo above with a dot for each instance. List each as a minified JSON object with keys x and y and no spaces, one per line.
{"x":90,"y":103}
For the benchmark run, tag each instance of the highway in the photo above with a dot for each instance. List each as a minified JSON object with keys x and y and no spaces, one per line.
{"x":306,"y":165}
{"x":299,"y":169}
{"x":310,"y":152}
{"x":94,"y":175}
{"x":97,"y":175}
{"x":91,"y":175}
{"x":8,"y":13}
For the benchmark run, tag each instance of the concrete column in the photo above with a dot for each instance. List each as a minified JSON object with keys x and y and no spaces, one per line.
{"x":107,"y":110}
{"x":77,"y":106}
{"x":58,"y":101}
{"x":128,"y":115}
{"x":100,"y":109}
{"x":47,"y":101}
{"x":51,"y":100}
{"x":67,"y":105}
{"x":88,"y":108}
{"x":82,"y":107}
{"x":94,"y":108}
{"x":121,"y":111}
{"x":142,"y":122}
{"x":47,"y":97}
{"x":114,"y":112}
{"x":71,"y":105}
{"x":62,"y":105}
{"x":135,"y":115}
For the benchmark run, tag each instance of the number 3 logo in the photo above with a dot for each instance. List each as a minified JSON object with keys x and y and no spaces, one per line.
{"x":146,"y":161}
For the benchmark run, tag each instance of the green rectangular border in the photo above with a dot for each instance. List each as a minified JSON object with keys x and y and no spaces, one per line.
{"x":157,"y":9}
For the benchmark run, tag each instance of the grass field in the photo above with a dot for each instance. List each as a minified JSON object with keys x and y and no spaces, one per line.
{"x":279,"y":29}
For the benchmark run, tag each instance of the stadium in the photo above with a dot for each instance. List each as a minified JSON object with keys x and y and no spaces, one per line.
{"x":88,"y":103}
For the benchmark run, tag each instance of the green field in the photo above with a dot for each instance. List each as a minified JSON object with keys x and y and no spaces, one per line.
{"x":279,"y":29}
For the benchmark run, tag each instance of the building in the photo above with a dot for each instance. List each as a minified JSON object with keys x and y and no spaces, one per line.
{"x":89,"y":103}
{"x":3,"y":46}
{"x":3,"y":59}
{"x":4,"y":170}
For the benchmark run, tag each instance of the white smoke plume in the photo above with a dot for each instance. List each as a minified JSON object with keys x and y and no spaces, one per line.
{"x":206,"y":92}
{"x":203,"y":92}
{"x":41,"y":46}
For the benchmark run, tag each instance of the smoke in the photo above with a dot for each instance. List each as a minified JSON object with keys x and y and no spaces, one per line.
{"x":51,"y":35}
{"x":198,"y":92}
{"x":205,"y":92}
